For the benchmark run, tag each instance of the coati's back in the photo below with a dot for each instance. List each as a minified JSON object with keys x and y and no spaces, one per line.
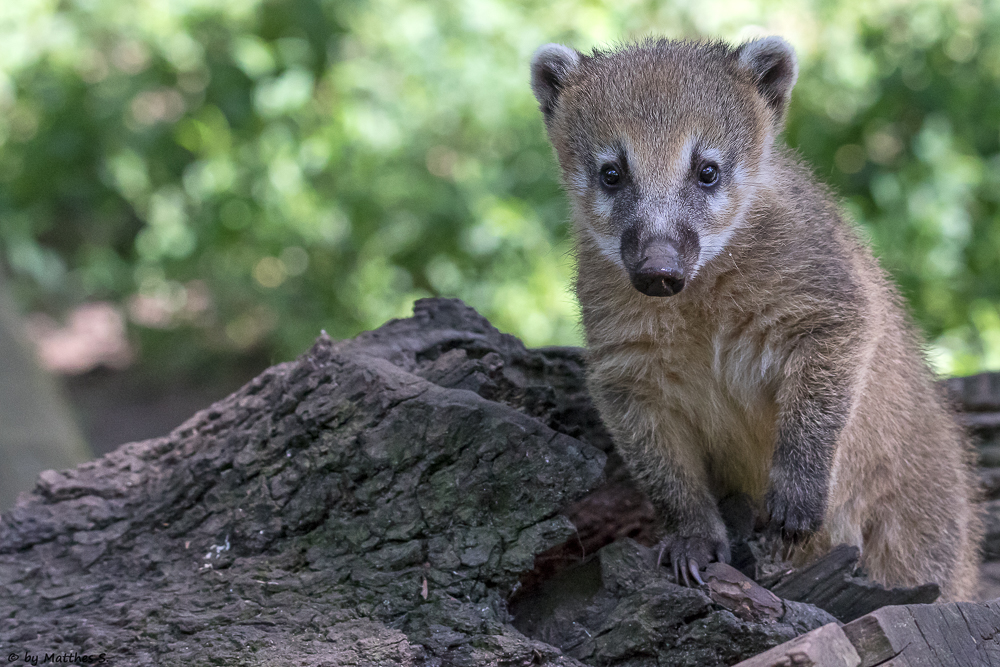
{"x":742,"y":340}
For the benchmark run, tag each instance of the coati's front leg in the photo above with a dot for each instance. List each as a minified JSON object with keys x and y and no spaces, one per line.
{"x":814,"y":402}
{"x":662,"y":458}
{"x":679,"y":491}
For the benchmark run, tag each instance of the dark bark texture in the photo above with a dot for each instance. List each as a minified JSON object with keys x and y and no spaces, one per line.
{"x":413,"y":496}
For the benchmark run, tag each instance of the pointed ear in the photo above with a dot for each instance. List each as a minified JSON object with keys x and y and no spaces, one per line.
{"x":773,"y":69}
{"x":550,"y":66}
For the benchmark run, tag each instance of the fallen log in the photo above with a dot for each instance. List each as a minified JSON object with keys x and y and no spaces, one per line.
{"x":365,"y":494}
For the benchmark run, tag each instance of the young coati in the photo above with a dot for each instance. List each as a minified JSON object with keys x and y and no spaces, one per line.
{"x":741,"y":339}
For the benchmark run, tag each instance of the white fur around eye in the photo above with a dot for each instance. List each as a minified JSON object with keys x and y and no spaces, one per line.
{"x":721,"y":204}
{"x":603,"y":205}
{"x":712,"y":155}
{"x":609,"y":246}
{"x":606,"y":156}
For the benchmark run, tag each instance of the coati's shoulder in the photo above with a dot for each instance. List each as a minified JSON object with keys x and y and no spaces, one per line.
{"x":800,"y":224}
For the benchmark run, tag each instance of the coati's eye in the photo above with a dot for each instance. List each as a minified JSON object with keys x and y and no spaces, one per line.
{"x":708,"y":174}
{"x":611,"y":176}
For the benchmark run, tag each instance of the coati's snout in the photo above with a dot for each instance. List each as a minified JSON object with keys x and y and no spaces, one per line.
{"x":657,"y":266}
{"x":659,"y":271}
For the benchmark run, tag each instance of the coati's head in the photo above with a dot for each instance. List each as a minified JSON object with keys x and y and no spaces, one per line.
{"x":662,"y":145}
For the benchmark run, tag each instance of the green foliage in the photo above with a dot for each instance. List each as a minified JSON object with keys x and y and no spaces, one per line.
{"x":915,"y":149}
{"x":243,"y":174}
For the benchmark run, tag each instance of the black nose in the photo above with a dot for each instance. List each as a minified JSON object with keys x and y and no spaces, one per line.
{"x":659,"y":273}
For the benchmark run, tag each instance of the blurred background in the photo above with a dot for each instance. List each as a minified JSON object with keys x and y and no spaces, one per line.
{"x":190,"y":190}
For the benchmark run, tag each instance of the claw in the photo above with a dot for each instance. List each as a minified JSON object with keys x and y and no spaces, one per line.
{"x":686,"y":554}
{"x":720,"y":555}
{"x":693,"y":568}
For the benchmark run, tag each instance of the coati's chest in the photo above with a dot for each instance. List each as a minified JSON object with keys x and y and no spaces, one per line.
{"x":711,"y":377}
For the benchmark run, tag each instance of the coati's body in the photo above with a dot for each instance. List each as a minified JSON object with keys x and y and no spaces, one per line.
{"x":741,"y":339}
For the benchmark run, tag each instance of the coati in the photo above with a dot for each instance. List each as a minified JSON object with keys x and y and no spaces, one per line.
{"x":741,"y":338}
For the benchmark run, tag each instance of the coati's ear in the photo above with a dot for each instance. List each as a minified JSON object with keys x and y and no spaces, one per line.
{"x":550,"y":66}
{"x":773,"y":68}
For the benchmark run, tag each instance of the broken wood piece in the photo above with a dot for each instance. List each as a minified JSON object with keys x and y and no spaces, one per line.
{"x":827,"y":646}
{"x":959,"y":634}
{"x":881,"y":634}
{"x":741,"y":595}
{"x":830,"y":584}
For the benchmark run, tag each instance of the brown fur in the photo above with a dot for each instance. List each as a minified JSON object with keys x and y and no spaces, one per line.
{"x":786,"y":367}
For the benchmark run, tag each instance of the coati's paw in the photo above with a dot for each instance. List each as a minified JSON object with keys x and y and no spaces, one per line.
{"x":689,"y":554}
{"x":793,"y":518}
